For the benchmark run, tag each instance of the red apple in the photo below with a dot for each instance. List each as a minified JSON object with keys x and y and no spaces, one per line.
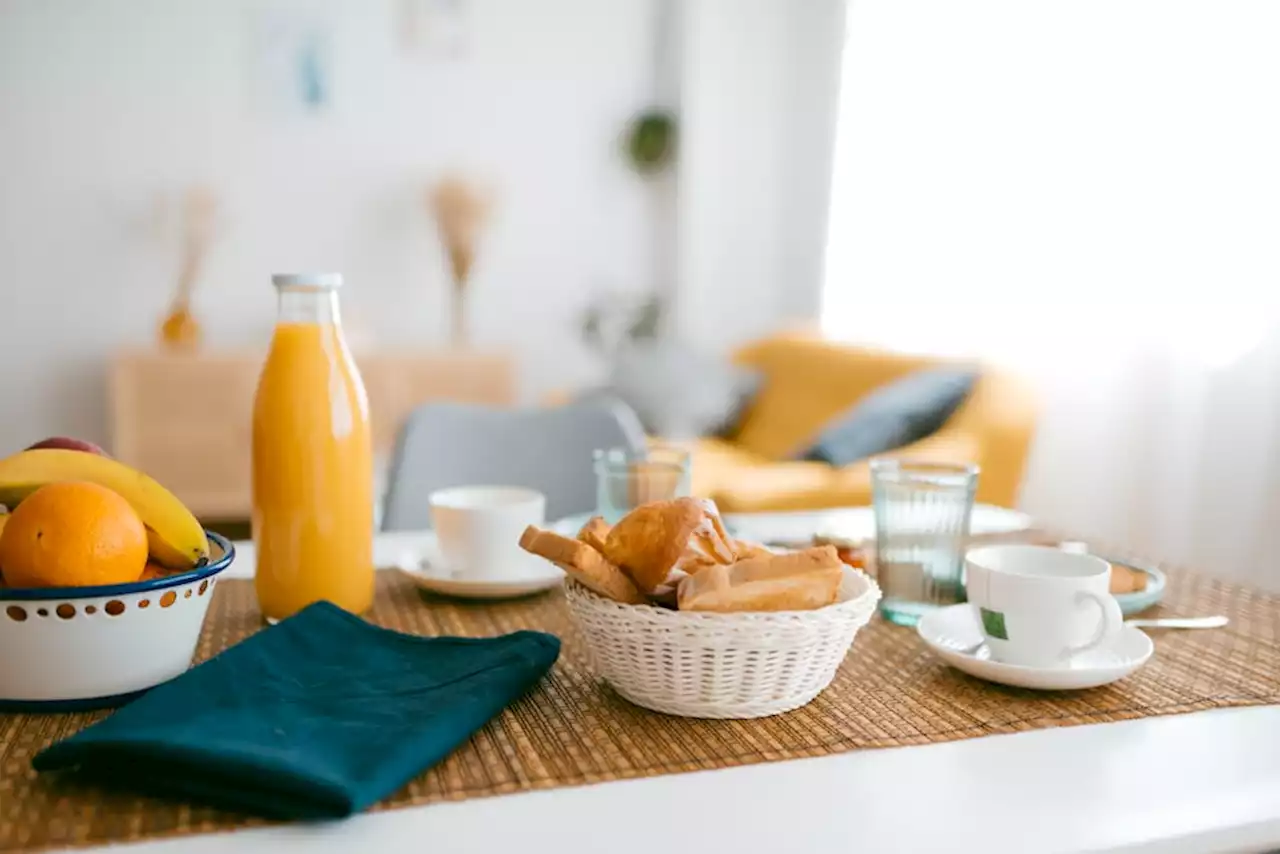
{"x":65,"y":444}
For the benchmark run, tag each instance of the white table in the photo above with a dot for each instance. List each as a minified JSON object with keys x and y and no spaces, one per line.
{"x":1202,"y":782}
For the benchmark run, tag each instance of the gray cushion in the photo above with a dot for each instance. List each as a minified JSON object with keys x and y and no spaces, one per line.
{"x":679,"y":392}
{"x":896,"y":414}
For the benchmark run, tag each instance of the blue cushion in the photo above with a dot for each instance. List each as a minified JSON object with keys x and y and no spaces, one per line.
{"x":896,"y":414}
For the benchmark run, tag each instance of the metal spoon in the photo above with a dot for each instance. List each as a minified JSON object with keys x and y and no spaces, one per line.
{"x":1215,"y":622}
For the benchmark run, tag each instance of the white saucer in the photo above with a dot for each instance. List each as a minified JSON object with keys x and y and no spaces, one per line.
{"x":423,"y":566}
{"x":950,"y":631}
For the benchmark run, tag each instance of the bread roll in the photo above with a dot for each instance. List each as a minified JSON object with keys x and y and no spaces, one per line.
{"x":650,"y":540}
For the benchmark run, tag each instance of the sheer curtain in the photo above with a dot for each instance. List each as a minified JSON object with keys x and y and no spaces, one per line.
{"x":1089,"y":192}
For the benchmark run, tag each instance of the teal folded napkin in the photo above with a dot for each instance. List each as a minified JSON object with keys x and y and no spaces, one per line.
{"x":319,"y":716}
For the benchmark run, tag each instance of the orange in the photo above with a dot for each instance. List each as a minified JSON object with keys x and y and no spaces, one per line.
{"x":72,"y":534}
{"x":154,"y":571}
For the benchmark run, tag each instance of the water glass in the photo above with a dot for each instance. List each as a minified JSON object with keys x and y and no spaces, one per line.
{"x":922,"y":515}
{"x":626,"y":479}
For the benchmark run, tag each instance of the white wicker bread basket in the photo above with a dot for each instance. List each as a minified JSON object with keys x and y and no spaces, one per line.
{"x":704,"y":665}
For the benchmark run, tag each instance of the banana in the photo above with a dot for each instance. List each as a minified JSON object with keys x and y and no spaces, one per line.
{"x":175,"y":538}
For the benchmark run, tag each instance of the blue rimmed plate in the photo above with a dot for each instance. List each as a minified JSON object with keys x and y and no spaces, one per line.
{"x":1132,"y":603}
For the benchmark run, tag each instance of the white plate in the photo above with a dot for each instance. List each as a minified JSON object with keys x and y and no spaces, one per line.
{"x":855,"y":523}
{"x":950,"y":631}
{"x":422,"y":565}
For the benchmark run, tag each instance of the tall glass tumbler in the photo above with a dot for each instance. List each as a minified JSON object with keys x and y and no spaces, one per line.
{"x":626,"y":479}
{"x":922,"y":515}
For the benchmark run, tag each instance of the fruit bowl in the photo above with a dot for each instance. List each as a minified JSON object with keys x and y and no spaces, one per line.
{"x":74,"y":648}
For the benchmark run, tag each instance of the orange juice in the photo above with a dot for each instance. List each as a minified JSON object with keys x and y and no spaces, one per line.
{"x":312,"y":460}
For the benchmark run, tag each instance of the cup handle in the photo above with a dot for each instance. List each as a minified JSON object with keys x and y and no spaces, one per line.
{"x":1108,"y":627}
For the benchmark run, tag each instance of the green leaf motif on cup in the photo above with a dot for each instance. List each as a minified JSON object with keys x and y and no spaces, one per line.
{"x":993,"y":624}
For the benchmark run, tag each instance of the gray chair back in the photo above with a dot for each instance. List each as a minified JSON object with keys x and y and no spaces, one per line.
{"x":548,"y":449}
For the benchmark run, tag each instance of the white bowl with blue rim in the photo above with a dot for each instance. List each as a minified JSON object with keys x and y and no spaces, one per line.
{"x":75,"y":648}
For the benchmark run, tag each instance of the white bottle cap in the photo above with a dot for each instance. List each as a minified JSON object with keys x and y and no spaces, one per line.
{"x":326,"y":281}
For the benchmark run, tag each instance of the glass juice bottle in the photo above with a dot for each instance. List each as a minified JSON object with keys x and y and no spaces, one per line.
{"x":312,"y":459}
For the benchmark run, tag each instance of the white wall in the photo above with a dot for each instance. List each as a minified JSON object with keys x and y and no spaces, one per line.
{"x":106,"y":105}
{"x":758,"y":94}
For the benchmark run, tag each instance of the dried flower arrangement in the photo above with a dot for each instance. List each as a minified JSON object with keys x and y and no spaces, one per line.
{"x":461,"y":210}
{"x":180,"y":330}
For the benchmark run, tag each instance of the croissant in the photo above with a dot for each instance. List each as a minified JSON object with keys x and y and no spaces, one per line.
{"x":649,"y":541}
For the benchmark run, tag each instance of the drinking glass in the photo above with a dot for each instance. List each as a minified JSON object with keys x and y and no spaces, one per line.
{"x":626,"y":479}
{"x":922,"y":515}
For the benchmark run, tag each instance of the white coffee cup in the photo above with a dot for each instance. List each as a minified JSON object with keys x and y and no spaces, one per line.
{"x":478,"y":528}
{"x":1039,"y":606}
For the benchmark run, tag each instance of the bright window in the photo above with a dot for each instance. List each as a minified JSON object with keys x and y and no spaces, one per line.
{"x":1057,"y":181}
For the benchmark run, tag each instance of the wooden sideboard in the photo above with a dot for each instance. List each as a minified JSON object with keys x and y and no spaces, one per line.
{"x":186,"y":419}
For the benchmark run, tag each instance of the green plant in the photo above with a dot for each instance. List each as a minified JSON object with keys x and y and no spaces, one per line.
{"x":651,"y":141}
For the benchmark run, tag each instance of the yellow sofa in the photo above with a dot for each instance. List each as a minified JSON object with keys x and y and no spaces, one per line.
{"x":807,"y":381}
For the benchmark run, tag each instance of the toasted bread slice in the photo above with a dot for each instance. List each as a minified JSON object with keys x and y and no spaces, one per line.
{"x":800,"y":581}
{"x":594,"y":533}
{"x":770,"y":566}
{"x":649,"y":541}
{"x":744,"y":549}
{"x":710,"y":537}
{"x":583,"y":563}
{"x":693,"y":562}
{"x":705,"y":549}
{"x":706,"y":541}
{"x":713,"y":516}
{"x":708,"y":544}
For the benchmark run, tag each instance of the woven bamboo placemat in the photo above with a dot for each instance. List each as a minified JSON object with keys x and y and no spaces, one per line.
{"x":572,"y":730}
